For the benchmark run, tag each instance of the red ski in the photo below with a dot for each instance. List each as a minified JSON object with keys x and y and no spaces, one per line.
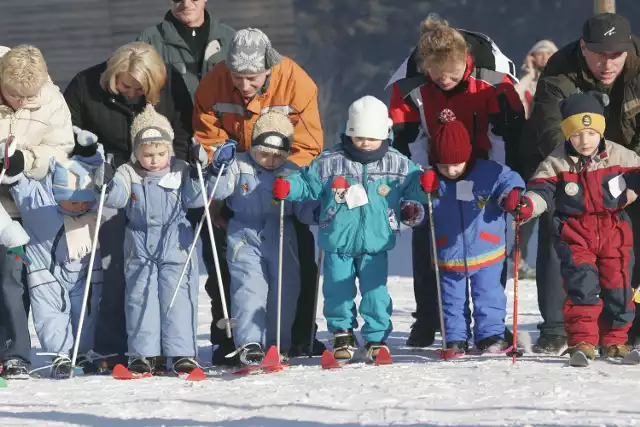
{"x":383,"y":357}
{"x":328,"y":360}
{"x":270,"y":363}
{"x":121,"y":372}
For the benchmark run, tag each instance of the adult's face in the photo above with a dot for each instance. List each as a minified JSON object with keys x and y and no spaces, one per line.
{"x":449,"y":75}
{"x":128,"y":87}
{"x":540,"y":59}
{"x":605,"y":66}
{"x":189,"y":12}
{"x":249,"y":84}
{"x":14,"y":100}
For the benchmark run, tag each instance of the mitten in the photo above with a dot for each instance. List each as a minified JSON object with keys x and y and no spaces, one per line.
{"x":281,"y":188}
{"x":429,"y":181}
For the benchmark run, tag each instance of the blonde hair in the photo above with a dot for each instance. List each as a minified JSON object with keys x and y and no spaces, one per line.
{"x":143,"y":63}
{"x":440,"y":44}
{"x":23,"y":70}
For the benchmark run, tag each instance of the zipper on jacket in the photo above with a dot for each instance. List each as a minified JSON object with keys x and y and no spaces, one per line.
{"x":359,"y":232}
{"x":583,"y":172}
{"x":464,"y":244}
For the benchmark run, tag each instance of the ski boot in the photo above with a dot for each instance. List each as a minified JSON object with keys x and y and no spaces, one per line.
{"x":61,"y":366}
{"x":616,"y":351}
{"x":580,"y":354}
{"x":373,"y":348}
{"x":250,"y":354}
{"x":493,"y":344}
{"x":421,"y":335}
{"x":92,"y":362}
{"x":344,"y":345}
{"x":454,"y":349}
{"x":549,"y":344}
{"x":15,"y":369}
{"x":184,"y":364}
{"x":222,"y":354}
{"x":299,"y":350}
{"x":142,"y":365}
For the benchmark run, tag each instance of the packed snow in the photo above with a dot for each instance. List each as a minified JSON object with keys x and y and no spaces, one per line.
{"x":417,"y":390}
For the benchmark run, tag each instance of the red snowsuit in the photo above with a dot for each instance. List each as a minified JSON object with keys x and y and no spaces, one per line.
{"x":593,"y":237}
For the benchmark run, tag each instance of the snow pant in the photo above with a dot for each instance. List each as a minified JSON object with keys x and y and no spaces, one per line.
{"x":340,"y":290}
{"x":596,"y":255}
{"x":253,"y":258}
{"x":489,"y":303}
{"x":111,"y":333}
{"x":15,"y":341}
{"x":56,"y":308}
{"x":153,"y":330}
{"x":551,"y":294}
{"x":633,"y":210}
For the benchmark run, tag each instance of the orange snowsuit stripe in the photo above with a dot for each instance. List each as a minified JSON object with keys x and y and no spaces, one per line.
{"x":220,"y":112}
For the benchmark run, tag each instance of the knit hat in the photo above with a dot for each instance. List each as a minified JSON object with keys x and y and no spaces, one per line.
{"x":251,"y":52}
{"x":150,"y":127}
{"x":582,"y":111}
{"x":543,"y":46}
{"x":451,"y":144}
{"x":72,"y":180}
{"x":272,"y":133}
{"x":369,"y":118}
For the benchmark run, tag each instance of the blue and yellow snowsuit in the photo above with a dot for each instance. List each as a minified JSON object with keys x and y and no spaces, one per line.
{"x":356,"y":240}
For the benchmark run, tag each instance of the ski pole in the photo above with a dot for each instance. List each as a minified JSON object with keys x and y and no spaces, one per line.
{"x":195,"y":239}
{"x":87,"y":284}
{"x":312,"y":333}
{"x":434,"y":254}
{"x":281,"y":251}
{"x":516,"y":264}
{"x":225,"y":322}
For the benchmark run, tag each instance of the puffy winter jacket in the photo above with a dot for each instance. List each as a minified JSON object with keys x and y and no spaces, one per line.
{"x":166,"y":38}
{"x":220,"y":112}
{"x":370,"y":228}
{"x":42,"y":129}
{"x":470,"y":224}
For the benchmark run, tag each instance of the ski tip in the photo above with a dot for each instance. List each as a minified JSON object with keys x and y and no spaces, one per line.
{"x":328,"y":361}
{"x":447,"y":353}
{"x":383,"y":357}
{"x":120,"y":372}
{"x":272,"y":358}
{"x":196,"y":375}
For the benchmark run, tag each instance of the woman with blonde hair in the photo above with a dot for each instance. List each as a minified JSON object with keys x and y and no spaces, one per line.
{"x":466,"y":73}
{"x":104,"y":100}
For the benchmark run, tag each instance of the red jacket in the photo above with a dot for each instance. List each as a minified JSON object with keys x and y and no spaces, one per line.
{"x":485,"y":101}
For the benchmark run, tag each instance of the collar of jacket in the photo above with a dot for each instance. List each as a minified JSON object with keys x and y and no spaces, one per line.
{"x":171,"y":32}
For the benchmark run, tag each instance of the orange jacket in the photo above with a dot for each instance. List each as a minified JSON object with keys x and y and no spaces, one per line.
{"x":220,"y":112}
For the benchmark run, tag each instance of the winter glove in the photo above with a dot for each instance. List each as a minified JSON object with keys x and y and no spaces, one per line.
{"x":18,"y":254}
{"x":518,"y":205}
{"x":198,"y":155}
{"x":104,"y":173}
{"x":224,"y":154}
{"x":411,"y":213}
{"x":281,"y":188}
{"x":87,"y":141}
{"x":429,"y":181}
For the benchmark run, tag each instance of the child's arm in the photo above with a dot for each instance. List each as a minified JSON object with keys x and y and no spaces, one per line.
{"x":507,"y":181}
{"x":30,"y":193}
{"x":305,"y":184}
{"x":541,"y":190}
{"x":118,"y":190}
{"x":307,"y":212}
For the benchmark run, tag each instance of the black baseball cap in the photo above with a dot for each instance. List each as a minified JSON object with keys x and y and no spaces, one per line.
{"x":607,"y":32}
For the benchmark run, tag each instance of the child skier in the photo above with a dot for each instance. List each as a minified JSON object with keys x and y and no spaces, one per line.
{"x":58,"y":214}
{"x":585,"y":178}
{"x":156,"y":189}
{"x":470,"y":228}
{"x":253,"y":236}
{"x":360,"y":183}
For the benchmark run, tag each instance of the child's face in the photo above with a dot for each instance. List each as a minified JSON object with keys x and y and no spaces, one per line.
{"x":153,"y":157}
{"x":452,"y":171}
{"x":366,"y":144}
{"x":586,"y":141}
{"x":268,"y":160}
{"x":74,"y":206}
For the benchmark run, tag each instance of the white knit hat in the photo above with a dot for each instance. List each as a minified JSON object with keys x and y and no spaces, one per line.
{"x":369,"y":118}
{"x":150,"y":127}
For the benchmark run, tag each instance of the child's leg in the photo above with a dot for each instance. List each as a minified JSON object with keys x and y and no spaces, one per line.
{"x":142,"y":307}
{"x":13,"y":311}
{"x":616,"y":263}
{"x":91,"y":313}
{"x":455,"y":305}
{"x":581,"y":279}
{"x":376,"y":306}
{"x":178,"y":328}
{"x":489,"y":302}
{"x":51,"y":308}
{"x":339,"y":291}
{"x":290,"y":292}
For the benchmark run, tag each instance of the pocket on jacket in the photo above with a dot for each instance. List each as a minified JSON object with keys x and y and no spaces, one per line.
{"x":489,"y":237}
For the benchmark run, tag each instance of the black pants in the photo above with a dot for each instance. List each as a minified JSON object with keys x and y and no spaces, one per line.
{"x":15,"y":341}
{"x":308,"y":271}
{"x":633,"y":211}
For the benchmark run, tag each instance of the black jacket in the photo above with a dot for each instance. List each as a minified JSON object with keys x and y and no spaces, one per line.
{"x":109,"y":117}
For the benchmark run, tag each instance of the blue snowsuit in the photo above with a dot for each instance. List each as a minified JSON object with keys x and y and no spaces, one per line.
{"x":56,"y":281}
{"x":470,"y":227}
{"x":157,"y":241}
{"x":253,"y":250}
{"x":356,"y":240}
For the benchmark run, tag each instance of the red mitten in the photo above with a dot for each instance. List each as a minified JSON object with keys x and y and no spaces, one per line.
{"x":513,"y":200}
{"x":526,"y":209}
{"x":429,"y":181}
{"x":281,"y":188}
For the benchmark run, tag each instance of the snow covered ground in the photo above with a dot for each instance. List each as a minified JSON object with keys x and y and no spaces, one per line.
{"x":418,"y":390}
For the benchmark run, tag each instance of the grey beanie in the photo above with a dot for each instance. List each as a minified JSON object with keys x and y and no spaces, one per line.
{"x":251,"y":52}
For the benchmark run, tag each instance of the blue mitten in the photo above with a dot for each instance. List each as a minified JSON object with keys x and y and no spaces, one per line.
{"x":224,"y":155}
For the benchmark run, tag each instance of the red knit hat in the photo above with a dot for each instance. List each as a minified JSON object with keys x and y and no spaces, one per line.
{"x":451,"y":144}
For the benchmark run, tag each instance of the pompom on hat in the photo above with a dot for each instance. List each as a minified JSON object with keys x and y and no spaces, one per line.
{"x":451,"y":144}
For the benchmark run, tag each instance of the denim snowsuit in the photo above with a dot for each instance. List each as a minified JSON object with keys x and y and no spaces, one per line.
{"x":157,"y":240}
